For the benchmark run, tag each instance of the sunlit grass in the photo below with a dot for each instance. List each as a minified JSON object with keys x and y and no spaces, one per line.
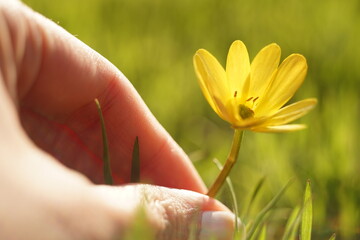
{"x":307,"y":214}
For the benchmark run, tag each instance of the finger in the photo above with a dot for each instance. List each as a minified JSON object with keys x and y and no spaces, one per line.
{"x":170,"y":213}
{"x":47,"y":201}
{"x":58,"y":78}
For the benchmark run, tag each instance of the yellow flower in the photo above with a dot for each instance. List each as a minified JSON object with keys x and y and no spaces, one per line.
{"x":252,"y":96}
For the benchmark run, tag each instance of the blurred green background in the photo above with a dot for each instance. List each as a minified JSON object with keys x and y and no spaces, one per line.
{"x":152,"y":42}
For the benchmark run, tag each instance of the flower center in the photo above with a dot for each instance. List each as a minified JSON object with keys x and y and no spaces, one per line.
{"x":245,"y":112}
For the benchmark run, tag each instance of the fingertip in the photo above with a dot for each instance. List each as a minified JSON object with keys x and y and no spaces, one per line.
{"x":217,"y":225}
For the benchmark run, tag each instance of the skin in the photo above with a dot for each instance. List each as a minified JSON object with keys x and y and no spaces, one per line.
{"x":50,"y":142}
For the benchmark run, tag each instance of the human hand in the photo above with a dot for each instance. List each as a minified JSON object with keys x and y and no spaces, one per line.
{"x":48,"y":81}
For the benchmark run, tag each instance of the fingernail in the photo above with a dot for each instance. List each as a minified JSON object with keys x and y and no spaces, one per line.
{"x":217,"y":225}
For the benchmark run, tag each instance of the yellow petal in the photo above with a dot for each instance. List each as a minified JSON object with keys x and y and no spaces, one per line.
{"x":285,"y":82}
{"x":292,"y":112}
{"x":281,"y":128}
{"x":225,"y":110}
{"x":211,"y":77}
{"x":262,"y":68}
{"x":237,"y":67}
{"x":249,"y":122}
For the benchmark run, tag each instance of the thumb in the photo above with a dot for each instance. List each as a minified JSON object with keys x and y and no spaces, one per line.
{"x":172,"y":213}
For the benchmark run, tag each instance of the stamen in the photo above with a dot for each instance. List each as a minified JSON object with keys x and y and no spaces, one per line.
{"x":249,"y":99}
{"x":255,"y":99}
{"x":235,"y":94}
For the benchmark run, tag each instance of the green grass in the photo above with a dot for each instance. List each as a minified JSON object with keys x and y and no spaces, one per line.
{"x":306,"y":219}
{"x":153,"y":42}
{"x":108,"y":178}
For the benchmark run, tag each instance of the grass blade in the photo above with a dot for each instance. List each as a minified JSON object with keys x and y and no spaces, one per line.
{"x":263,"y":233}
{"x":260,"y":217}
{"x":306,"y":222}
{"x":140,"y":228}
{"x":135,"y":164}
{"x":292,"y":224}
{"x":253,"y":196}
{"x":333,"y":237}
{"x":106,"y":156}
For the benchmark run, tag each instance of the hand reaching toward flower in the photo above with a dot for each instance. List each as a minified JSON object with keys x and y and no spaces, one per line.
{"x":49,"y":125}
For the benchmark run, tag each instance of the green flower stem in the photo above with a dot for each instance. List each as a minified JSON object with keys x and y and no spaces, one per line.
{"x":233,"y":155}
